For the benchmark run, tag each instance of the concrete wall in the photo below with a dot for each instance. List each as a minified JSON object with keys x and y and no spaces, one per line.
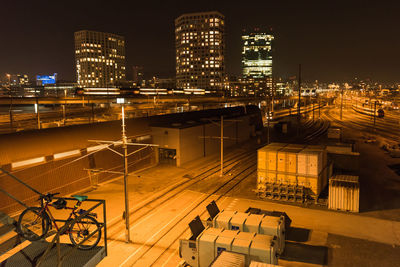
{"x":167,"y":138}
{"x":191,"y":143}
{"x":30,"y":144}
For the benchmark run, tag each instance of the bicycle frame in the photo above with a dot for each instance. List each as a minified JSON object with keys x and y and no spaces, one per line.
{"x":45,"y":207}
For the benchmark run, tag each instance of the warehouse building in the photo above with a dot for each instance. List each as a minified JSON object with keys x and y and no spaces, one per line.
{"x":184,"y":137}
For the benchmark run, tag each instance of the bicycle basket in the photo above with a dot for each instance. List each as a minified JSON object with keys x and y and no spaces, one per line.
{"x":60,"y":203}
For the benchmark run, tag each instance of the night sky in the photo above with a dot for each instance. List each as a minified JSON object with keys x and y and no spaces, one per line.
{"x":333,"y":41}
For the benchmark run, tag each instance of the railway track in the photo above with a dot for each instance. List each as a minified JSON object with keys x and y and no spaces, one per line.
{"x":321,"y":129}
{"x":170,"y":236}
{"x":162,"y":246}
{"x":206,"y":177}
{"x":359,"y":122}
{"x":204,"y":174}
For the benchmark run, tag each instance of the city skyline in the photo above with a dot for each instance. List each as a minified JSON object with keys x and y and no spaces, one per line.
{"x":332,"y":42}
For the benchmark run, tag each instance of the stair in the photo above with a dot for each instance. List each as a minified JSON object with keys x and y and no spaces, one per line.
{"x":9,"y":238}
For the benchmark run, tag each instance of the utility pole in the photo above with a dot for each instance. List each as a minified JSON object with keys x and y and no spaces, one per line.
{"x":221,"y":138}
{"x":273,"y":94}
{"x":319,"y":107}
{"x":341,"y":105}
{"x":124,"y":142}
{"x":374,"y":113}
{"x":299,"y":103}
{"x":313,"y":105}
{"x":125,"y":148}
{"x":65,"y":107}
{"x":11,"y":115}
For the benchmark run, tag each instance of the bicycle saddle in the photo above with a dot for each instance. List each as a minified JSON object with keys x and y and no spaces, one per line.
{"x":80,"y":198}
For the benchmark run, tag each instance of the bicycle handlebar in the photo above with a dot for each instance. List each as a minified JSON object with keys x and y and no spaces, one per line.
{"x":48,"y":197}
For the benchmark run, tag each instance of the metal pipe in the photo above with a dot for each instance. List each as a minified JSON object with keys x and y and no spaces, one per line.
{"x":20,"y":181}
{"x":16,"y":199}
{"x":105,"y":225}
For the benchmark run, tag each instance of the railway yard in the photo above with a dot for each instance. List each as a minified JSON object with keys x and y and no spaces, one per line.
{"x":317,"y":236}
{"x":165,"y":199}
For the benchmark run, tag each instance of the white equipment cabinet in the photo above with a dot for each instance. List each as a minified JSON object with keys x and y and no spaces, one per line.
{"x":246,"y":222}
{"x":202,"y":251}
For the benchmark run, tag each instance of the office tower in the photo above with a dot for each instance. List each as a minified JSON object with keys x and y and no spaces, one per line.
{"x":200,"y":49}
{"x":137,"y":75}
{"x":99,"y":58}
{"x":257,"y":54}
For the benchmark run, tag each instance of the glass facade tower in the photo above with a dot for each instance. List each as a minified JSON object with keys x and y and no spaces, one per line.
{"x":257,"y":54}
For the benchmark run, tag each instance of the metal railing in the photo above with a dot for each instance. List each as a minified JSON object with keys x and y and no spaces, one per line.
{"x":67,"y":225}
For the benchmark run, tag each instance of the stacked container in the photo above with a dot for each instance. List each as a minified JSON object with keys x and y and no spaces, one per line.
{"x":256,"y":223}
{"x":213,"y":241}
{"x":293,"y":165}
{"x":344,"y":193}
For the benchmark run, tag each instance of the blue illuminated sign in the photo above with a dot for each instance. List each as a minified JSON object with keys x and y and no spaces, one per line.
{"x":46,"y":79}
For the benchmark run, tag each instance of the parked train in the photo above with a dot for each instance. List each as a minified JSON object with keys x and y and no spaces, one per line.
{"x":366,"y":110}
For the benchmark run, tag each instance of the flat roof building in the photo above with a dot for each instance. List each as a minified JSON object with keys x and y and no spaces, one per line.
{"x":99,"y":58}
{"x":200,"y":51}
{"x":257,"y":51}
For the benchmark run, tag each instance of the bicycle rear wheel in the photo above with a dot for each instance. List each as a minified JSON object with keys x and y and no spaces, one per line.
{"x":81,"y":229}
{"x":33,"y":224}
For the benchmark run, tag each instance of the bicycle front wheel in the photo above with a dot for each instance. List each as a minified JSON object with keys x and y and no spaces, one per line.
{"x":82,"y":229}
{"x":33,"y":224}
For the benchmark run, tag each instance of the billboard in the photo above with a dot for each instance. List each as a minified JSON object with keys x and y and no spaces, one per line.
{"x":46,"y":79}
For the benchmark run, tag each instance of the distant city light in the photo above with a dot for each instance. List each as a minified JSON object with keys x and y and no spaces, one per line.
{"x":46,"y":79}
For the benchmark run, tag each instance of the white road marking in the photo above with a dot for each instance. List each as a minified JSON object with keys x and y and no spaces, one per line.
{"x":156,"y":233}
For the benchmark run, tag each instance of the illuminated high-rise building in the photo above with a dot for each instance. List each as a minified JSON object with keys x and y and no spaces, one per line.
{"x":200,"y":49}
{"x":99,"y":58}
{"x":257,"y":54}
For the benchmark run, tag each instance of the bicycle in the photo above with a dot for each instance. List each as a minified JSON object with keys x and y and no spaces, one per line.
{"x":35,"y":222}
